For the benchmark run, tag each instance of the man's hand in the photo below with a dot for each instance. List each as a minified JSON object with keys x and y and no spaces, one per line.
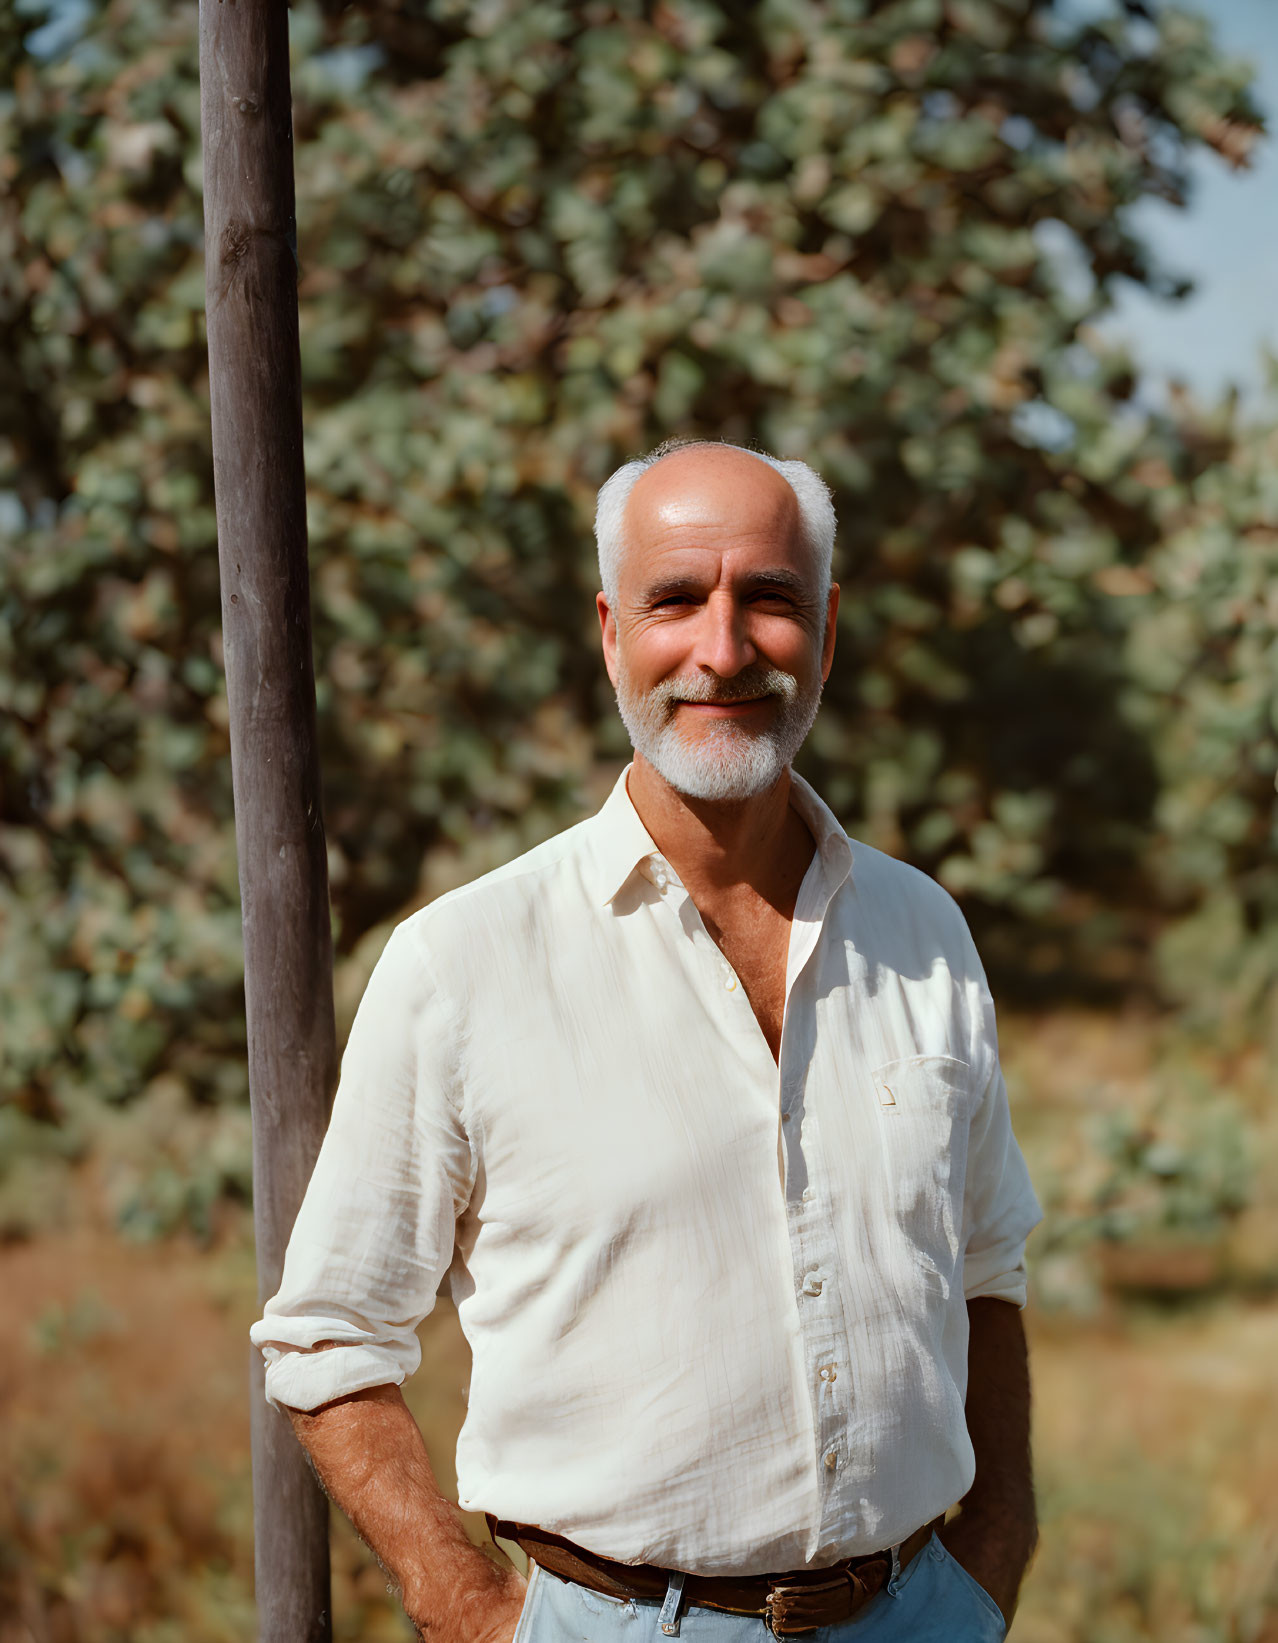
{"x":490,"y":1619}
{"x":497,"y":1624}
{"x":368,"y":1454}
{"x":503,"y":1627}
{"x":995,"y":1558}
{"x":996,"y":1531}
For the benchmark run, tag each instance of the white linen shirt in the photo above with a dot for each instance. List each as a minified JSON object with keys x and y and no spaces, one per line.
{"x":716,"y":1305}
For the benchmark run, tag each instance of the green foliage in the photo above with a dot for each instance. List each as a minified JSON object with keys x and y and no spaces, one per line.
{"x":1203,"y":657}
{"x":534,"y":239}
{"x":1179,"y":1169}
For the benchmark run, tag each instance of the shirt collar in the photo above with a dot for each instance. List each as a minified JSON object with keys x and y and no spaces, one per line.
{"x":621,"y":841}
{"x":831,"y":839}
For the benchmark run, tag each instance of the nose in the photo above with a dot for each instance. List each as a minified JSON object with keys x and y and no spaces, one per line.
{"x":723,"y":644}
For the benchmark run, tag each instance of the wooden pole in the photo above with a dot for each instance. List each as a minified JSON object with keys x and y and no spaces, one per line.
{"x":255,"y":389}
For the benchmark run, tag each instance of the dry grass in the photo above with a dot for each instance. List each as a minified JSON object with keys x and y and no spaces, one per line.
{"x":124,"y":1505}
{"x":1157,"y":1459}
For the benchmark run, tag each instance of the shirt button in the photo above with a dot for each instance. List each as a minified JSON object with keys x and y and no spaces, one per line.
{"x":831,"y":1460}
{"x":812,"y":1283}
{"x":807,"y":1195}
{"x":785,"y":1117}
{"x":730,"y":982}
{"x":828,"y":1372}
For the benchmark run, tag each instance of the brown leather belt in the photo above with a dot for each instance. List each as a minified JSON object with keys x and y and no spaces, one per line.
{"x":789,"y":1604}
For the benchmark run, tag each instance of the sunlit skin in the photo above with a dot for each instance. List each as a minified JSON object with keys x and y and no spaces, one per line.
{"x":716,"y":577}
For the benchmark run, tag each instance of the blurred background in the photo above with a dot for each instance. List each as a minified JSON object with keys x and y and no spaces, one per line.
{"x":1004,"y":271}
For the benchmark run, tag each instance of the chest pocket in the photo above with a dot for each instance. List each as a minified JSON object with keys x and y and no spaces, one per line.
{"x":925,"y":1105}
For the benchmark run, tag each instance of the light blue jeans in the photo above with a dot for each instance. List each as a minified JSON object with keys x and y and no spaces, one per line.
{"x":932,"y":1600}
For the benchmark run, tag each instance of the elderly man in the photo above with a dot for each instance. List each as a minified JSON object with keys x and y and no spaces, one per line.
{"x":699,"y":1107}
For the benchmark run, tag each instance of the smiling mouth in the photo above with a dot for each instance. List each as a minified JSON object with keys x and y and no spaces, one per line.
{"x":738,"y":704}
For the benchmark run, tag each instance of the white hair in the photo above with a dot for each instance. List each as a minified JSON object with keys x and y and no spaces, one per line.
{"x":816,"y":507}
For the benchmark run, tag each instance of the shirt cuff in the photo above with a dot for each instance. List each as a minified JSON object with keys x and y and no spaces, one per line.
{"x":299,"y":1378}
{"x":998,"y":1272}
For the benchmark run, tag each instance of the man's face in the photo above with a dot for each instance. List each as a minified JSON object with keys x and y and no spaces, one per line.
{"x":719,"y":636}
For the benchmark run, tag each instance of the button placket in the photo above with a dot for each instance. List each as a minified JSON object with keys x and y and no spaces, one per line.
{"x":823,"y":1336}
{"x":702,"y":941}
{"x":818,"y":1299}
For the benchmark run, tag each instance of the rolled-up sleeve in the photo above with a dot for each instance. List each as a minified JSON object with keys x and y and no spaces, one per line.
{"x":374,"y":1235}
{"x":1000,"y":1207}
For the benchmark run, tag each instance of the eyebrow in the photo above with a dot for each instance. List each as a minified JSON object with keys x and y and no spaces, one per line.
{"x":784,"y":581}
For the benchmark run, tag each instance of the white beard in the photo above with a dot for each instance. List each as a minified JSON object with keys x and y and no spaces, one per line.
{"x":726,"y":761}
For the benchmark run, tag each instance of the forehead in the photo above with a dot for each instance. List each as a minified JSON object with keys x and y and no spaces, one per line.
{"x":696,"y":507}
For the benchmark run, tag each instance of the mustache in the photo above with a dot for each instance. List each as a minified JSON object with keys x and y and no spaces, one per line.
{"x":745,"y":686}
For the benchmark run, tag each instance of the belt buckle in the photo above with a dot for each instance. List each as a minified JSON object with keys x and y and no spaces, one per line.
{"x":786,"y":1604}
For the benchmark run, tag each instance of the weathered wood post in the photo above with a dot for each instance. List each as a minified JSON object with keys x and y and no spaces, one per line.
{"x":255,"y":388}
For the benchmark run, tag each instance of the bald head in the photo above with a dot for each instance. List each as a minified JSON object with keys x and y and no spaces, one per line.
{"x":710,"y":492}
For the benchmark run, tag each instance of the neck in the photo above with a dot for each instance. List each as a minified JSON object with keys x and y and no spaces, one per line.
{"x":720,"y":847}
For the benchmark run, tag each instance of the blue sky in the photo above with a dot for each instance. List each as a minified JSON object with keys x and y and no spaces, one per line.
{"x":1227,"y":242}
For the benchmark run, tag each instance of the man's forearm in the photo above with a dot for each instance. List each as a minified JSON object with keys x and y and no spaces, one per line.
{"x":997,"y":1530}
{"x":370,"y":1457}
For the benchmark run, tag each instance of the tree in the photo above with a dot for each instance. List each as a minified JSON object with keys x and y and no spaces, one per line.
{"x":534,"y":239}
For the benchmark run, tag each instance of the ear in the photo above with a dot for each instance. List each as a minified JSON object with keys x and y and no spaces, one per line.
{"x":831,"y":631}
{"x":608,"y":634}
